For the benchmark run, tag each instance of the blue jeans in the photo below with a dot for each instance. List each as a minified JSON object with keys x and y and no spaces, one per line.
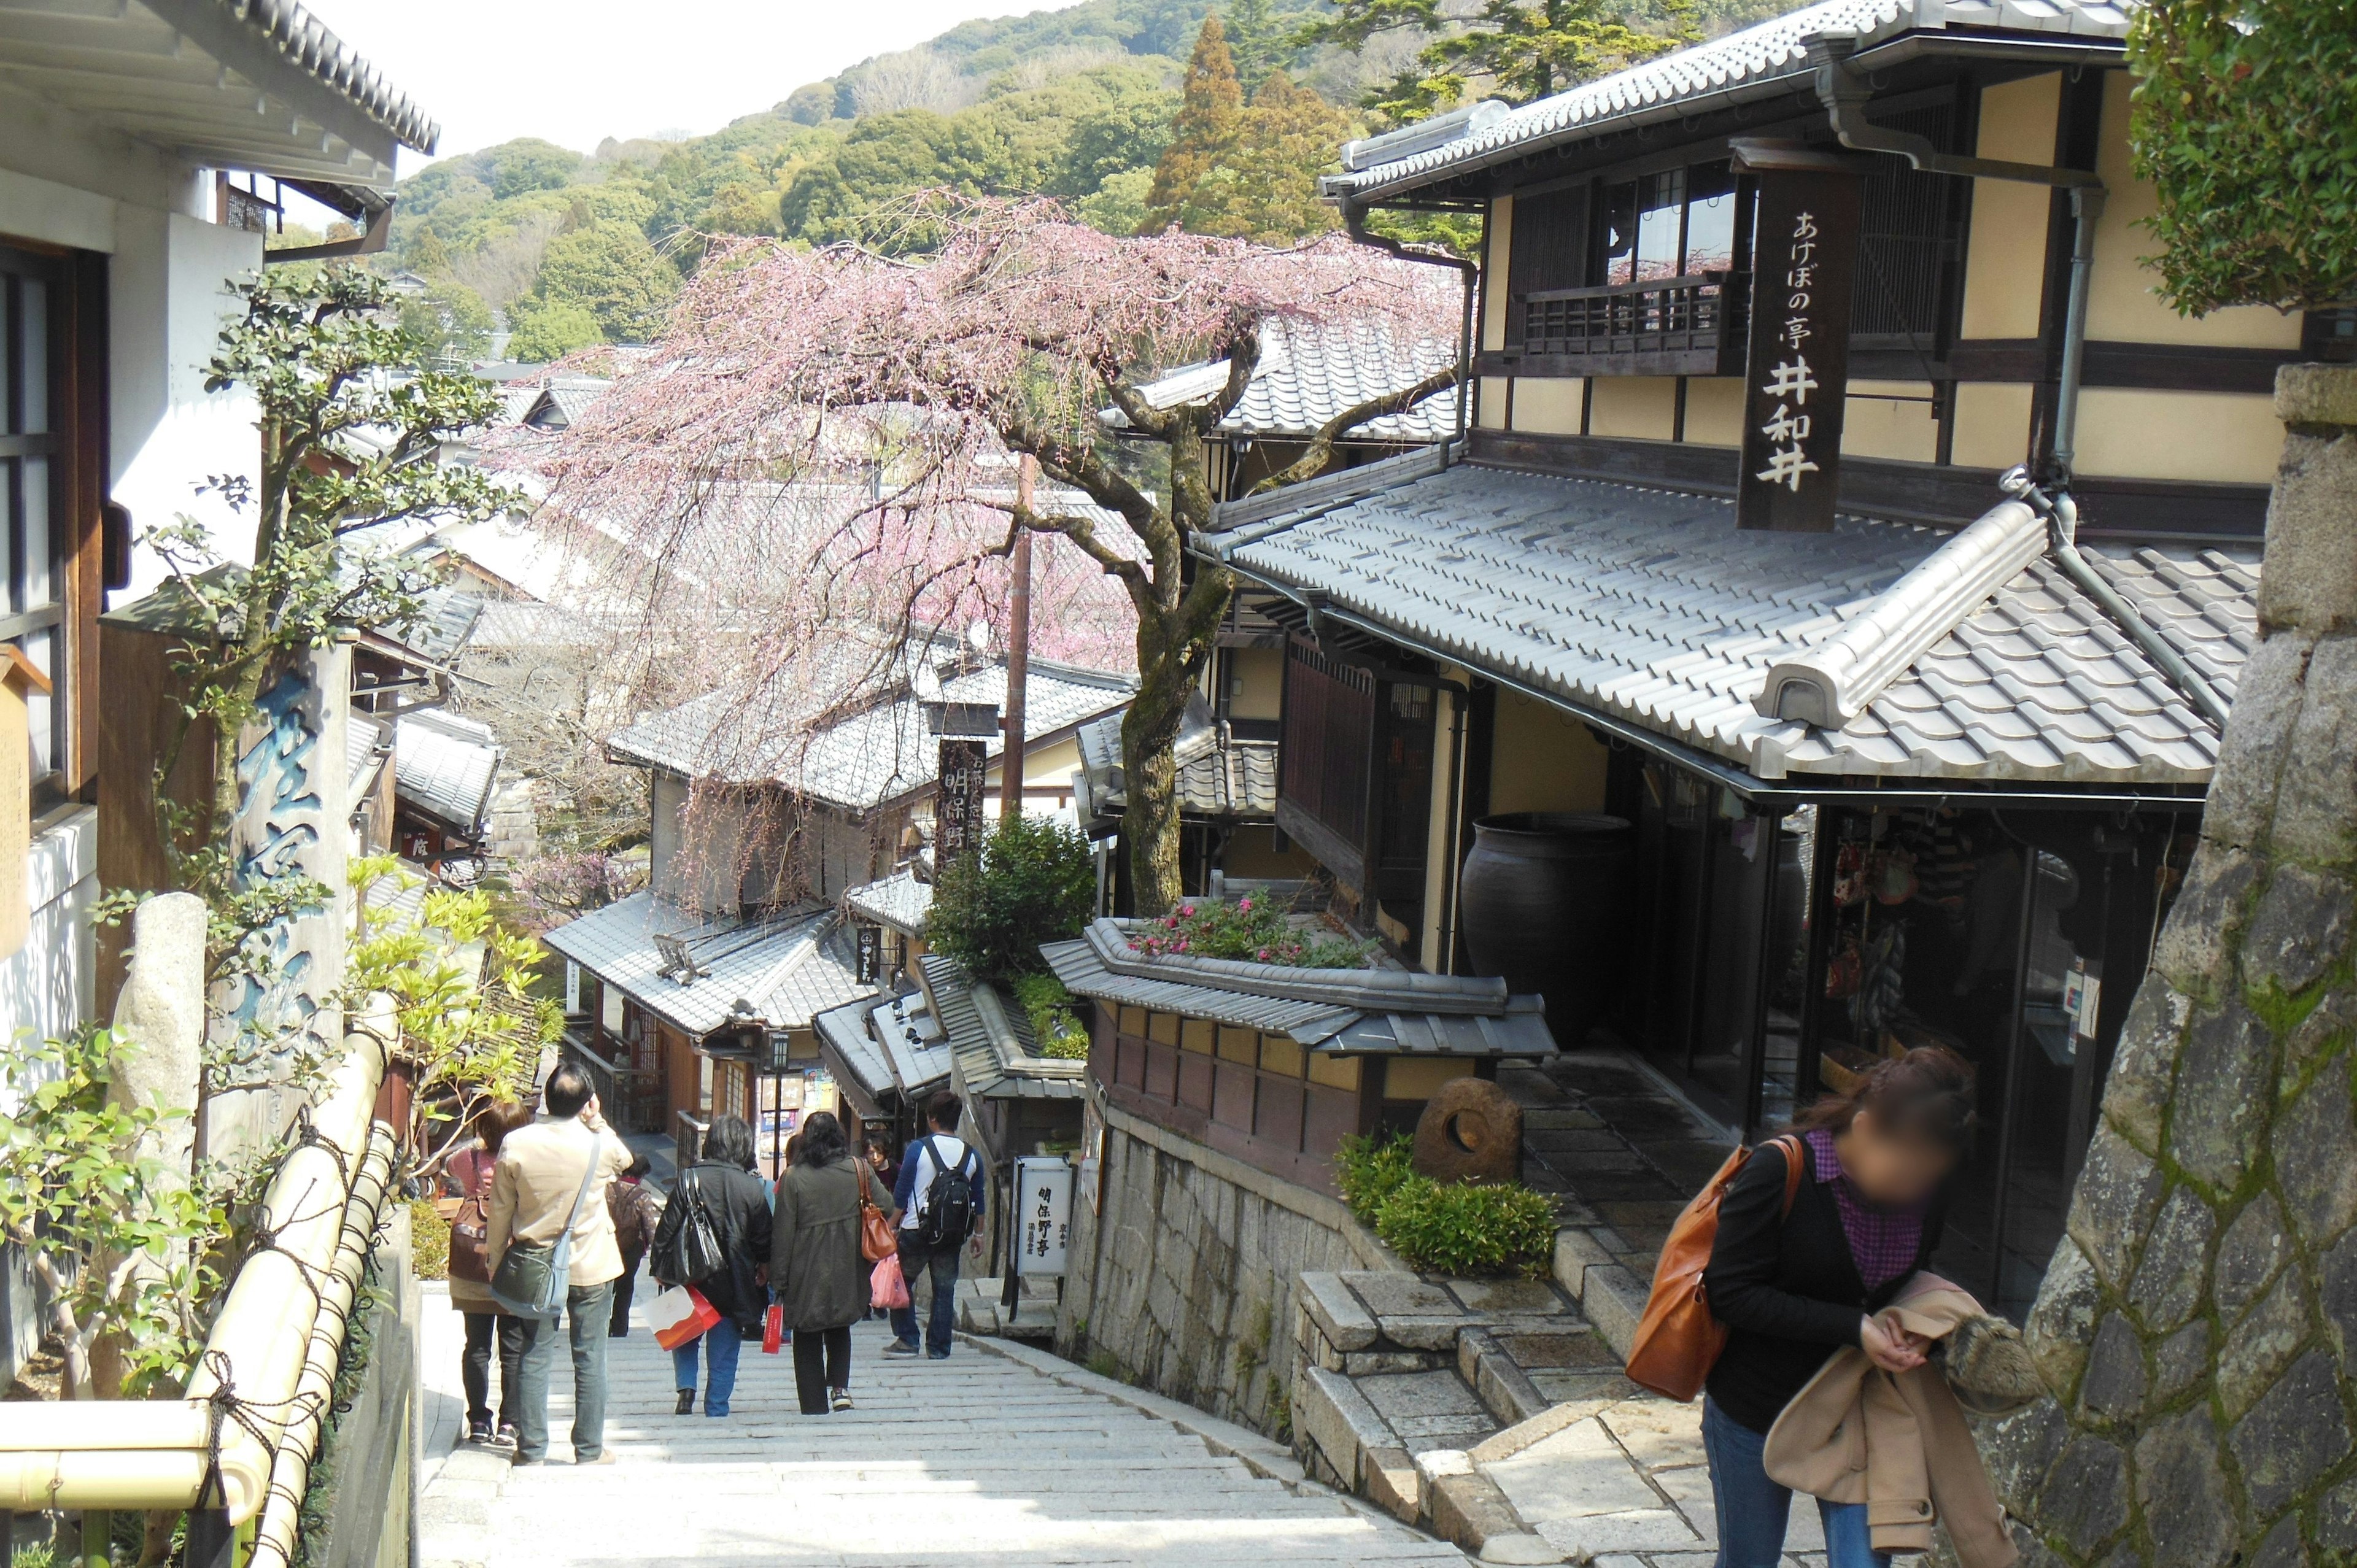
{"x":722,"y":1343}
{"x":1753,"y":1510}
{"x":943,"y":1264}
{"x":588,"y":1312}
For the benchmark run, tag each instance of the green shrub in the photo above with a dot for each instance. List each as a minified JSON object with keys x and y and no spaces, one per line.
{"x":1033,"y":880}
{"x":1055,"y":1021}
{"x":1369,"y":1169}
{"x":1444,"y":1228}
{"x":1250,"y":930}
{"x":429,"y":1240}
{"x":1451,"y":1228}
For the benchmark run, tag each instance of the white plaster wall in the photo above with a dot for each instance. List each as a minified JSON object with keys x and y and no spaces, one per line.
{"x":47,"y":986}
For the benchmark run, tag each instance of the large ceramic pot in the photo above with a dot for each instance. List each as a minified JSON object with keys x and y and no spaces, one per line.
{"x":1545,"y":902}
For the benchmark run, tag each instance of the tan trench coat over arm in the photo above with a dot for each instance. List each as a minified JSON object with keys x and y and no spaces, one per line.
{"x":1896,"y":1442}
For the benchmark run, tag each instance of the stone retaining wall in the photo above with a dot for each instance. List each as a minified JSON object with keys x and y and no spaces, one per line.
{"x":1186,"y":1281}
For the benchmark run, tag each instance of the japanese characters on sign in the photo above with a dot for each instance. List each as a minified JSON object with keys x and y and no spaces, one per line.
{"x":958,"y":814}
{"x":1043,"y":1214}
{"x":871,"y":953}
{"x":1804,"y":251}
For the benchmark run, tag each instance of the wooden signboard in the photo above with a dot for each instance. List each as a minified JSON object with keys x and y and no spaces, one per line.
{"x":18,"y":680}
{"x":965,"y":769}
{"x":1803,"y":263}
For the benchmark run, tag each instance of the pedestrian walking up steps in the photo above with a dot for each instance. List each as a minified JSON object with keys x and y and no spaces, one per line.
{"x":1001,"y":1455}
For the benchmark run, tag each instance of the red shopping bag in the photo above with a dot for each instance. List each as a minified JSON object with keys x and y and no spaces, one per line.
{"x":774,"y":1330}
{"x":679,"y":1315}
{"x":885,"y":1288}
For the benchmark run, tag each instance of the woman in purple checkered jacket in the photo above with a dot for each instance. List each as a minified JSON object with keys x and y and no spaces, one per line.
{"x":1793,"y":1288}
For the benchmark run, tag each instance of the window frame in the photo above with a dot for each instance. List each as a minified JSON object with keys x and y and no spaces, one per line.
{"x":55,"y":445}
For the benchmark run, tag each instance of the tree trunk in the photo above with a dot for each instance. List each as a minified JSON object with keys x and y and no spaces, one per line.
{"x":2199,"y":1323}
{"x":1149,"y":822}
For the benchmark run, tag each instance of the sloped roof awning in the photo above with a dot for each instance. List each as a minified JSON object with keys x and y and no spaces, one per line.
{"x":1220,"y":776}
{"x":236,"y":84}
{"x":1390,"y":1012}
{"x":899,"y":902}
{"x":1651,"y":610}
{"x":990,"y":1042}
{"x":786,"y":969}
{"x":445,"y":767}
{"x":1308,"y":373}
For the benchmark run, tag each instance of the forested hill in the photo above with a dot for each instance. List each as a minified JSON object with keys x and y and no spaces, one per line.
{"x":567,"y":249}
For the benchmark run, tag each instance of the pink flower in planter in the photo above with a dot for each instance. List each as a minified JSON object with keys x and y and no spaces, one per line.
{"x":1244,"y":905}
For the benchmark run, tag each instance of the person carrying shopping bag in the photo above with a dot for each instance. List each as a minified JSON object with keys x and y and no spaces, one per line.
{"x":815,"y":1263}
{"x":721,"y":1192}
{"x":490,"y":1327}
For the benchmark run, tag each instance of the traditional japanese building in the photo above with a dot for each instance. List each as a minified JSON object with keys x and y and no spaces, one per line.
{"x":1718,"y":627}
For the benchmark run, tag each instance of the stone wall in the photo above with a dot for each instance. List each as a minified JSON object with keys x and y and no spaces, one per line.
{"x":2199,"y":1324}
{"x":1185,"y":1282}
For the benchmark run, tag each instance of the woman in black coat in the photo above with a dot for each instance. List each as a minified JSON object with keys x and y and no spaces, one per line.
{"x":722,"y":1184}
{"x":815,"y":1264}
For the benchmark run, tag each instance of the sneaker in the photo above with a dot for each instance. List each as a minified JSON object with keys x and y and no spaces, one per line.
{"x":506,"y":1437}
{"x":900,"y":1348}
{"x":842,"y":1400}
{"x":479,"y":1430}
{"x":524,"y":1459}
{"x":936,"y":1355}
{"x":605,"y":1458}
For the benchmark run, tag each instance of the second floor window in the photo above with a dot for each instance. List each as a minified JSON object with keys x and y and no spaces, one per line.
{"x":1675,"y":224}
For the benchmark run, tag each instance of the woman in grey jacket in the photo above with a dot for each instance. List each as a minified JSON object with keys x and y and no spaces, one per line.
{"x":815,"y":1266}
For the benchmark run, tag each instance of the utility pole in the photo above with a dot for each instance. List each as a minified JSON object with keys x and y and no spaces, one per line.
{"x":1018,"y":649}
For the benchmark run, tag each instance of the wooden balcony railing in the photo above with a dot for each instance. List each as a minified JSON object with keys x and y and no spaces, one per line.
{"x":1691,"y":326}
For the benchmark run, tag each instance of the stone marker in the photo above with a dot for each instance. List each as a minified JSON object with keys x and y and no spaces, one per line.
{"x":1471,"y":1131}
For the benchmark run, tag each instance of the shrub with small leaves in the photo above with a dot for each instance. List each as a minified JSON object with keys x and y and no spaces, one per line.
{"x":1453,"y":1228}
{"x":1370,"y":1168}
{"x":1033,"y":880}
{"x":1055,"y":1019}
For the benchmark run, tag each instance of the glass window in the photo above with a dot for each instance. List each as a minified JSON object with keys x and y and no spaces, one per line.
{"x":1661,"y":216}
{"x":1710,"y":219}
{"x":1619,"y":231}
{"x":31,"y":613}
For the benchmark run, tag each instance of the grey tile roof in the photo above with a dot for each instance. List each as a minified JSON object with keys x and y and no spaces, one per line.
{"x":914,"y":1043}
{"x":871,"y":755}
{"x":1651,"y":607}
{"x":900,"y":901}
{"x":789,"y":967}
{"x":1219,"y":776}
{"x":1311,"y":371}
{"x":364,"y":755}
{"x":1765,"y":56}
{"x":445,"y":766}
{"x":990,"y":1040}
{"x":852,"y":1051}
{"x":1391,"y":1011}
{"x":298,"y":37}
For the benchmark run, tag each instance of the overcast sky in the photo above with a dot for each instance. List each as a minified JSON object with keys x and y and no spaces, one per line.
{"x":575,"y":72}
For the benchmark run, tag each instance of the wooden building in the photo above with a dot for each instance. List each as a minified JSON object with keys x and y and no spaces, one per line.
{"x":1908,"y":758}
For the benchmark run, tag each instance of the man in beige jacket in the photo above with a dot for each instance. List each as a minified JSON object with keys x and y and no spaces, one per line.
{"x":534,"y":1190}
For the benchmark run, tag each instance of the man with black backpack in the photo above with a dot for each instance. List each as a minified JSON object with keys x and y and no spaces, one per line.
{"x":940,"y":1199}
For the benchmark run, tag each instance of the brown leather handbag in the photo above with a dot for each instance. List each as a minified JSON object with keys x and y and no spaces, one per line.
{"x":876,"y":1241}
{"x":1678,"y":1340}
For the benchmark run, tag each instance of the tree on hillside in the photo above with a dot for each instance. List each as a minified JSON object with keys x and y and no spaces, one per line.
{"x":2198,"y":1325}
{"x":1266,"y":189}
{"x":1210,"y":110}
{"x":449,"y":320}
{"x":1258,"y":41}
{"x":1013,"y":337}
{"x":541,"y":330}
{"x":1522,"y":49}
{"x":609,"y":271}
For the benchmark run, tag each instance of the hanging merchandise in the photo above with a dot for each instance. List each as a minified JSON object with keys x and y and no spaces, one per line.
{"x":1882,"y":986}
{"x":1894,"y":878}
{"x":1843,"y":971}
{"x":1849,"y":873}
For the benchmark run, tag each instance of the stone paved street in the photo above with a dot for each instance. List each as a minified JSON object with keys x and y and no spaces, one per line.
{"x":994,"y":1456}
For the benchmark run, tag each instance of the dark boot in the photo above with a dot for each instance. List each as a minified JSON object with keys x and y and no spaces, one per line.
{"x":686,"y":1402}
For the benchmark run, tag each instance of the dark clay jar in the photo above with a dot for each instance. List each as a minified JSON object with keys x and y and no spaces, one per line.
{"x":1545,"y":902}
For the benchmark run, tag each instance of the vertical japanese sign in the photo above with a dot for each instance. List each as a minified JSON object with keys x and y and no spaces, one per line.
{"x":964,"y":770}
{"x":1043,"y":1212}
{"x":1804,"y":258}
{"x":871,"y":953}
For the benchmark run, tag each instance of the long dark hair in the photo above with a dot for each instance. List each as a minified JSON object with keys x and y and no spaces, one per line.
{"x":1928,"y":1093}
{"x":729,"y":1141}
{"x":823,"y":1142}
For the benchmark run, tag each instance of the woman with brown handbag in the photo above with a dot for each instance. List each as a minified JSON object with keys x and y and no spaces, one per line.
{"x":818,"y":1260}
{"x":488,"y":1323}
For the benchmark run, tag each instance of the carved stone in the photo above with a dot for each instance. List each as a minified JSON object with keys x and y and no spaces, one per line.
{"x":1471,"y":1131}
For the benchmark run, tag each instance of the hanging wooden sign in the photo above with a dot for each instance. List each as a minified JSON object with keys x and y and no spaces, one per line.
{"x":965,"y":769}
{"x":1804,"y":263}
{"x":18,"y":680}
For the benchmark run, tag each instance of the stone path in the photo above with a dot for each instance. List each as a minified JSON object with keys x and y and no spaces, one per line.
{"x":1001,"y":1454}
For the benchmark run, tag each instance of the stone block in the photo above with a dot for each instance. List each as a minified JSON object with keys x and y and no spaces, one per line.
{"x":2292,"y":1436}
{"x":2256,"y":1245}
{"x":2180,"y":1360}
{"x":2192,"y":950}
{"x":1614,"y":1302}
{"x":1575,"y":1252}
{"x":1580,"y":1349}
{"x":1502,"y":1386}
{"x":1329,"y":1410}
{"x":2226,"y":1086}
{"x":1434,"y":1462}
{"x":2116,"y":1385}
{"x":1422,"y":1333}
{"x":2260,"y":1347}
{"x":2182,"y":1489}
{"x":2309,"y":393}
{"x":1560,"y":1119}
{"x":2299,"y":925}
{"x":1471,"y":1130}
{"x":2086,"y":1493}
{"x":2316,"y":1160}
{"x":2119,"y":1187}
{"x":1505,"y":1296}
{"x":1521,"y":1546}
{"x":2311,"y":543}
{"x":1373,"y":1363}
{"x":1469,"y":1511}
{"x":2168,"y":1284}
{"x":2316,"y":803}
{"x":2061,"y":1322}
{"x":1392,"y":1484}
{"x":1546,"y":1424}
{"x":2146,"y":1064}
{"x":1559,"y":1385}
{"x":1389,"y":1294}
{"x":1658,"y":1433}
{"x":1337,"y":1312}
{"x":1422,"y":1397}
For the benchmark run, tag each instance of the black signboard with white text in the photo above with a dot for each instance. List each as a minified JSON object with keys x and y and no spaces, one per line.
{"x":965,"y":765}
{"x":1804,"y":258}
